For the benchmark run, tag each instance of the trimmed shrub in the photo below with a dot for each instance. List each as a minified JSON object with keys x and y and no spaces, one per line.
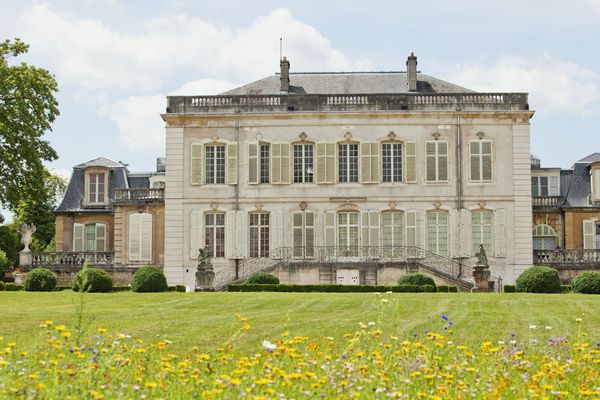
{"x":180,"y":288}
{"x":510,"y":288}
{"x":121,"y":288}
{"x":428,"y":288}
{"x":262,"y":278}
{"x":1,"y":286}
{"x":60,"y":288}
{"x":539,"y":279}
{"x":452,"y":289}
{"x":251,"y":287}
{"x":40,"y":280}
{"x":92,"y":280}
{"x":11,"y":287}
{"x":443,"y":288}
{"x":587,"y":282}
{"x":149,"y":279}
{"x":416,"y":279}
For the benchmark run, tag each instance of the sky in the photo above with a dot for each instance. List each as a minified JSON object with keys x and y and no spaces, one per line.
{"x":116,"y":60}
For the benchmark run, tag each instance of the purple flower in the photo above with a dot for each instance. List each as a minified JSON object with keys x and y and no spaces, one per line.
{"x":444,"y":317}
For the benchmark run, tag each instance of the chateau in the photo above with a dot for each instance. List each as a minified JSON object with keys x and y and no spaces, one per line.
{"x":349,"y":177}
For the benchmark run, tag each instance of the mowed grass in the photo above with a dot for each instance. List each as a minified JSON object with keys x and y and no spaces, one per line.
{"x":209,"y":319}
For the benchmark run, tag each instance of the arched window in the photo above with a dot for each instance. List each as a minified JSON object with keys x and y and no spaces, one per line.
{"x":544,"y":237}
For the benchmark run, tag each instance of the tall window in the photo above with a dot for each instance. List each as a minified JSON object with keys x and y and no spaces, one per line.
{"x":437,"y":232}
{"x":140,"y":237}
{"x":544,"y":237}
{"x":481,"y":160}
{"x":303,"y":163}
{"x":481,"y":230}
{"x":348,"y":162}
{"x":214,"y":234}
{"x":437,"y":161}
{"x":259,"y":234}
{"x":348,"y":234}
{"x":544,"y":186}
{"x":392,"y":235}
{"x":392,"y":162}
{"x":90,"y":237}
{"x":215,"y":163}
{"x":96,"y":188}
{"x":264,"y":163}
{"x":303,"y":233}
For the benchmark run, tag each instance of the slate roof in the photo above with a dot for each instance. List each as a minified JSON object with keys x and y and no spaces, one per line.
{"x":119,"y":178}
{"x":347,"y":83}
{"x":580,"y":188}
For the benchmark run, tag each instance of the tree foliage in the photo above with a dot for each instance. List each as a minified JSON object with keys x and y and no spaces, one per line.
{"x":27,"y":109}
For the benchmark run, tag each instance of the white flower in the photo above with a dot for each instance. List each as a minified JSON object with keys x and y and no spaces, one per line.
{"x":268,"y":345}
{"x":532,"y":326}
{"x":548,"y":328}
{"x":371,"y":323}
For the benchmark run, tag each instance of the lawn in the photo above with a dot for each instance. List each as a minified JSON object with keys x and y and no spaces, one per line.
{"x":299,"y":345}
{"x":209,"y":319}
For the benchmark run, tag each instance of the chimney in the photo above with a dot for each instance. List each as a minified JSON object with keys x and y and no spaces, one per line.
{"x":411,"y":73}
{"x":285,"y":74}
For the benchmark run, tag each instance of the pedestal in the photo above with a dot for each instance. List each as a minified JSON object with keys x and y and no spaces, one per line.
{"x":481,"y":274}
{"x":25,"y":259}
{"x":205,"y":277}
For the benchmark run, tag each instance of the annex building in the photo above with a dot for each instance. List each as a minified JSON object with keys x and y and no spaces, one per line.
{"x":347,"y":177}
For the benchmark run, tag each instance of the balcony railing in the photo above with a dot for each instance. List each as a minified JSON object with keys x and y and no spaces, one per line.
{"x":72,"y":258}
{"x":139,"y":195}
{"x":565,"y":256}
{"x":547,"y":201}
{"x":341,"y":102}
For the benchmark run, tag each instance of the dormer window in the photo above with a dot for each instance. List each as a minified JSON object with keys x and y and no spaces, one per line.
{"x":96,"y":188}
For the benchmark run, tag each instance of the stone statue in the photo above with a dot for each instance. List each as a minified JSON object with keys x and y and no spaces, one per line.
{"x":481,"y":257}
{"x":26,"y":232}
{"x":204,"y":274}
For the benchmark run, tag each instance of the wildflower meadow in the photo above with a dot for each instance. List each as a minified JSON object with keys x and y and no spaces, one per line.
{"x":366,"y":359}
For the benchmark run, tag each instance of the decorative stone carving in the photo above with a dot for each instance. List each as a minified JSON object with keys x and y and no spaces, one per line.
{"x":205,"y":275}
{"x":215,"y":139}
{"x":26,"y":232}
{"x":392,"y":135}
{"x":259,"y":206}
{"x":392,"y":205}
{"x":303,"y":205}
{"x":436,"y":135}
{"x":214,"y":206}
{"x":348,"y":135}
{"x":437,"y":205}
{"x":302,"y":136}
{"x":481,"y":205}
{"x":480,"y":135}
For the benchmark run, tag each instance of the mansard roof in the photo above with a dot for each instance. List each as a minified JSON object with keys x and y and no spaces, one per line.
{"x":119,"y":178}
{"x":580,"y":187}
{"x":592,"y":158}
{"x":392,"y":82}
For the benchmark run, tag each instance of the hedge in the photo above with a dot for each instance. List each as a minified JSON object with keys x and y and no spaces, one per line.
{"x":587,"y":282}
{"x":149,"y":279}
{"x":510,"y":288}
{"x":416,"y":279}
{"x":40,"y":280}
{"x":566,"y":288}
{"x":262,"y":278}
{"x":332,"y":288}
{"x":94,"y":280}
{"x":13,"y":287}
{"x":539,"y":279}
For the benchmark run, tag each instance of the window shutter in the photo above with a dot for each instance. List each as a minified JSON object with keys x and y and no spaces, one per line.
{"x":589,"y":234}
{"x":410,"y":162}
{"x":486,"y":160}
{"x":499,"y":233}
{"x":475,"y":152}
{"x":241,"y":222}
{"x":253,"y":163}
{"x":364,"y":228}
{"x":309,"y":240}
{"x":321,"y":163}
{"x":146,"y":237}
{"x":276,"y":230}
{"x":196,"y":233}
{"x":365,"y":162}
{"x":196,"y":164}
{"x":230,"y":235}
{"x":442,"y":160}
{"x":421,"y":229}
{"x":454,"y":231}
{"x":374,"y":228}
{"x":466,"y":246}
{"x":411,"y":228}
{"x":330,"y":228}
{"x":78,"y":237}
{"x":276,"y":163}
{"x":134,"y":237}
{"x":553,"y":186}
{"x":100,"y":237}
{"x":285,"y":163}
{"x":297,"y":225}
{"x":232,"y":156}
{"x":431,"y":161}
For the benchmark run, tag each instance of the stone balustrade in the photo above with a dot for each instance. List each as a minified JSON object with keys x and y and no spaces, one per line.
{"x":139,"y":195}
{"x":547,"y":201}
{"x":341,"y":102}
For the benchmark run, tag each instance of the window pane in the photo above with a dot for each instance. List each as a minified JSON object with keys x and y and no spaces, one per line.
{"x":264,"y":163}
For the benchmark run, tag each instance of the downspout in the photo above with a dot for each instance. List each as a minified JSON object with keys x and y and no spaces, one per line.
{"x":459,"y":186}
{"x":237,"y":185}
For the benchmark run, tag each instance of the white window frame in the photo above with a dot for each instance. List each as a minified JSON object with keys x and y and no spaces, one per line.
{"x":348,"y":234}
{"x":478,"y":159}
{"x":143,"y":238}
{"x":437,"y":232}
{"x":264,"y":163}
{"x":437,"y":159}
{"x":478,"y":231}
{"x":215,"y":166}
{"x":351,"y":168}
{"x":303,"y":163}
{"x":542,"y":232}
{"x":395,"y":163}
{"x":97,"y":239}
{"x":303,"y":234}
{"x":214,"y":234}
{"x":259,"y":237}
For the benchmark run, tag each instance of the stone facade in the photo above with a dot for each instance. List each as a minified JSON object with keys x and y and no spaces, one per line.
{"x":485,"y":195}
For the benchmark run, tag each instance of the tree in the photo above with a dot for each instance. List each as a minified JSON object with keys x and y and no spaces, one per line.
{"x":37,"y":205}
{"x":27,"y":109}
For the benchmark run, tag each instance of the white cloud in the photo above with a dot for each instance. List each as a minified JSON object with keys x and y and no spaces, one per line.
{"x":91,"y":55}
{"x":205,"y":87}
{"x":553,"y":85}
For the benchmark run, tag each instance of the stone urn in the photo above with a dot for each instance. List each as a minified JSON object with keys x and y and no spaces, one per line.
{"x":205,"y":275}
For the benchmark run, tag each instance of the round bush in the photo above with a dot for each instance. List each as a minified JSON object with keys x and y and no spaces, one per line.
{"x":93,"y":280}
{"x":262,"y":278}
{"x":1,"y":286}
{"x":416,"y":279}
{"x":149,"y":279}
{"x":40,"y":280}
{"x":539,"y":279}
{"x":11,"y":287}
{"x":587,"y":282}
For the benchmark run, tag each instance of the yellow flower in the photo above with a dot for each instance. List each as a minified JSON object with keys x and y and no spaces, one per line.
{"x":40,"y":386}
{"x":48,"y":322}
{"x":150,"y":384}
{"x":66,"y":335}
{"x":60,"y":328}
{"x":246,"y":326}
{"x":101,"y":330}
